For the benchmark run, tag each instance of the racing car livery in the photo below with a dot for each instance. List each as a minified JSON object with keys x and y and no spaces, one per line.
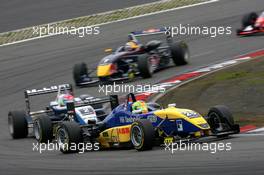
{"x":252,"y":24}
{"x":20,"y":121}
{"x":142,"y":125}
{"x":144,"y":53}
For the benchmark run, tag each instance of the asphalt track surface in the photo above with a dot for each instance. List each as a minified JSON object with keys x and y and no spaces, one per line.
{"x":49,"y":61}
{"x":18,"y":14}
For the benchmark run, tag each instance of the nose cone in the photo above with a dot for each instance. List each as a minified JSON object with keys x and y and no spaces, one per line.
{"x":189,"y":116}
{"x":104,"y":70}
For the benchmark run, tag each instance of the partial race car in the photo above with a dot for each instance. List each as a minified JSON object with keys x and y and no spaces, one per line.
{"x":145,"y":53}
{"x":142,"y":125}
{"x":252,"y":24}
{"x":21,"y":121}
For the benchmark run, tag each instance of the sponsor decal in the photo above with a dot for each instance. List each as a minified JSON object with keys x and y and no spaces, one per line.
{"x":123,"y":130}
{"x":152,"y":118}
{"x":179,"y":125}
{"x":47,"y":89}
{"x":191,"y":114}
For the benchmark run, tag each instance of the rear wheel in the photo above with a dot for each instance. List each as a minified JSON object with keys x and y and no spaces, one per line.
{"x":43,"y":129}
{"x":144,"y":66}
{"x":180,"y":53}
{"x":17,"y":123}
{"x":142,"y":135}
{"x":79,"y":70}
{"x":69,"y":137}
{"x":249,"y":19}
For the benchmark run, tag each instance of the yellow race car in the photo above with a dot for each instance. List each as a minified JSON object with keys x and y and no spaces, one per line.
{"x":142,"y":125}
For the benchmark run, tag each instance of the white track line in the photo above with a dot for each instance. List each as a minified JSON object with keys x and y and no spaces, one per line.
{"x":134,"y":17}
{"x":257,"y":130}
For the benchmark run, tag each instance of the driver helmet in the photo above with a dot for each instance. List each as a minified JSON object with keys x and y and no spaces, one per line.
{"x":140,"y":105}
{"x":63,"y":99}
{"x":131,"y":45}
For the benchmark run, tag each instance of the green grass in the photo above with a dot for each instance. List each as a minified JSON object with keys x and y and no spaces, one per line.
{"x":233,"y":75}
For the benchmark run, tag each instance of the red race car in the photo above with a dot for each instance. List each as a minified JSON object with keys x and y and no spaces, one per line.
{"x":252,"y":24}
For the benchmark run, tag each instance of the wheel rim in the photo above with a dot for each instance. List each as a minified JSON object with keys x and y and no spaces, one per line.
{"x":151,"y":66}
{"x":216,"y":121}
{"x":10,"y":125}
{"x":136,"y":136}
{"x":186,"y":55}
{"x":37,"y":130}
{"x":62,"y":138}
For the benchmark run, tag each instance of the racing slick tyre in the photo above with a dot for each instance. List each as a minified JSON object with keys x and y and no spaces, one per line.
{"x":180,"y":53}
{"x":142,"y":135}
{"x":249,"y":19}
{"x":69,"y":137}
{"x":78,"y":71}
{"x":18,"y":125}
{"x":144,"y":66}
{"x":43,"y":130}
{"x":220,"y":119}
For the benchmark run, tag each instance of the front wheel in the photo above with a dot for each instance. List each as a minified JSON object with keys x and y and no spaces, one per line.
{"x":220,"y":119}
{"x":79,"y":70}
{"x":249,"y":19}
{"x":69,"y":137}
{"x":142,"y":135}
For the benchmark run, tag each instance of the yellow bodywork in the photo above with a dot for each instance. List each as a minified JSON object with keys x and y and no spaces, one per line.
{"x":104,"y":70}
{"x":120,"y":134}
{"x":178,"y":113}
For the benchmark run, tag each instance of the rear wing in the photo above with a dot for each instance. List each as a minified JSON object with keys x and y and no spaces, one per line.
{"x":150,"y":31}
{"x":154,"y":31}
{"x":46,"y":90}
{"x":112,"y":99}
{"x":43,"y":91}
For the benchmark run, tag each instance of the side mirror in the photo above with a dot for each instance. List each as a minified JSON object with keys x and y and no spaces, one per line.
{"x":108,"y":50}
{"x":171,"y":105}
{"x":54,"y":103}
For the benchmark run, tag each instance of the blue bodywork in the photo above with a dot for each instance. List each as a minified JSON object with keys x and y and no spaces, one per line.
{"x":122,"y":115}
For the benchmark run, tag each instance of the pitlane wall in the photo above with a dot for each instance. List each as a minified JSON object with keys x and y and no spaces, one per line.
{"x":179,"y":80}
